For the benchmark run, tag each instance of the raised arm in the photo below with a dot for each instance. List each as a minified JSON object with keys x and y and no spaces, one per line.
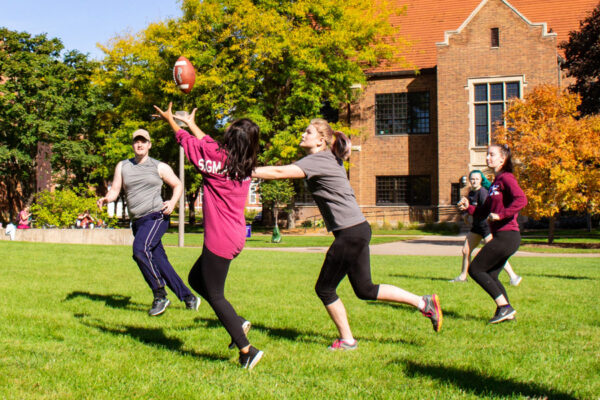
{"x":290,"y":171}
{"x":169,"y":177}
{"x":189,"y":120}
{"x":115,"y":189}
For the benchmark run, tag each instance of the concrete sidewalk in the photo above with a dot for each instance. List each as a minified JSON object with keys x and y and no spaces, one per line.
{"x":425,"y":246}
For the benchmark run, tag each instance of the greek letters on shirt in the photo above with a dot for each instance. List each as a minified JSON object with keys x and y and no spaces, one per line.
{"x":210,"y":166}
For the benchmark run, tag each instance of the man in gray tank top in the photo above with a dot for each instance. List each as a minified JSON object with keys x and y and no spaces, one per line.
{"x":142,"y":178}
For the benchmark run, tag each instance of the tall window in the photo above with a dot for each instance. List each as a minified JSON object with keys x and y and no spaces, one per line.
{"x":490,"y":100}
{"x":495,"y":37}
{"x":401,"y":190}
{"x":402,"y":113}
{"x":454,"y":193}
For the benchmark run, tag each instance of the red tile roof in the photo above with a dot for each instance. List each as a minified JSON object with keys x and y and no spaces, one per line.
{"x":426,"y":21}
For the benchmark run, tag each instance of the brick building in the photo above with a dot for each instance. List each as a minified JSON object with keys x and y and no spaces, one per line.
{"x":425,"y":131}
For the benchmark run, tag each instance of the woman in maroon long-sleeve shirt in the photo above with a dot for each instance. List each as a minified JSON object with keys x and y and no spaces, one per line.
{"x":501,"y":208}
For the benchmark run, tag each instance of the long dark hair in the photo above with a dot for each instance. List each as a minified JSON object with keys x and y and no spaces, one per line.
{"x":505,"y":150}
{"x":337,"y":141}
{"x":241,"y":143}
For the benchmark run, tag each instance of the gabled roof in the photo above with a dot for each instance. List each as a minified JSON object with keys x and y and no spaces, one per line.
{"x":426,"y":22}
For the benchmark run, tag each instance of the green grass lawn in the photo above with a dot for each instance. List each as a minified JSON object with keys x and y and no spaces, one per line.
{"x":264,"y":240}
{"x":73,"y":325}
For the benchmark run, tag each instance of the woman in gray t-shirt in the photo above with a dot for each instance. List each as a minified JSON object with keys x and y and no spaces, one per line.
{"x":326,"y":179}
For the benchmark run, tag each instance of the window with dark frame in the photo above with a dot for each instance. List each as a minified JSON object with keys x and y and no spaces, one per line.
{"x":489,"y":106}
{"x":402,"y":113}
{"x":495,"y":34}
{"x":403,"y":190}
{"x":455,"y":193}
{"x":303,"y":197}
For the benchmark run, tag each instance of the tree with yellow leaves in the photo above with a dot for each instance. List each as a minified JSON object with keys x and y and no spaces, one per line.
{"x":557,"y":153}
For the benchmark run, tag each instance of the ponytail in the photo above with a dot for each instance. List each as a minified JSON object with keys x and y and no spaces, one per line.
{"x":337,"y":141}
{"x":341,"y":146}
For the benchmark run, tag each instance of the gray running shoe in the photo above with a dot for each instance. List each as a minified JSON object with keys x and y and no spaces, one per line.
{"x":193,"y":303}
{"x":457,"y":279}
{"x":433,"y":311}
{"x":504,"y":313}
{"x":159,"y":305}
{"x":516,"y":281}
{"x":341,"y":344}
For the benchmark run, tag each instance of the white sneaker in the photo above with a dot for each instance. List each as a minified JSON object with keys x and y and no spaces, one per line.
{"x":516,"y":281}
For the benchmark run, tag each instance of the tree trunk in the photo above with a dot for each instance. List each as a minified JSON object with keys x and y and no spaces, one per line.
{"x":551,"y":229}
{"x":588,"y":221}
{"x":276,"y":214}
{"x":291,"y":221}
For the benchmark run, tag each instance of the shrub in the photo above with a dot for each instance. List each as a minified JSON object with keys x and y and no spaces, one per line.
{"x":60,"y":208}
{"x":442,"y":227}
{"x":250,"y":215}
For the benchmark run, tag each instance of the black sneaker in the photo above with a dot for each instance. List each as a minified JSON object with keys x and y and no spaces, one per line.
{"x":159,"y":305}
{"x":251,"y":358}
{"x":503,"y":313}
{"x":192,"y":303}
{"x":433,"y":311}
{"x":246,"y":325}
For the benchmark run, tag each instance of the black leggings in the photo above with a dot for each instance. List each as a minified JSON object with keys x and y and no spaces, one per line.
{"x":348,"y":255}
{"x":490,"y":260}
{"x":207,"y":277}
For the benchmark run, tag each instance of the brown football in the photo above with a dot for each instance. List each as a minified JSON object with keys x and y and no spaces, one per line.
{"x":184,"y":74}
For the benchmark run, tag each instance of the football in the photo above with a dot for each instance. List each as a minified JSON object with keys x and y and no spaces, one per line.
{"x":184,"y":74}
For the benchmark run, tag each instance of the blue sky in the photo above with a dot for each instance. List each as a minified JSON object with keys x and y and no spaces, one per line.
{"x":81,"y":24}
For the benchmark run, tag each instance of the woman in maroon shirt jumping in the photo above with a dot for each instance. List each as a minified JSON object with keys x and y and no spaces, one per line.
{"x":501,"y":208}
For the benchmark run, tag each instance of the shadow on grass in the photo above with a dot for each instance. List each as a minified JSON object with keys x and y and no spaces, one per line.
{"x":454,"y":243}
{"x":429,"y":278}
{"x":446,"y":312}
{"x":294,"y":335}
{"x":111,"y":300}
{"x":154,"y":337}
{"x":479,"y":384}
{"x":568,"y":277}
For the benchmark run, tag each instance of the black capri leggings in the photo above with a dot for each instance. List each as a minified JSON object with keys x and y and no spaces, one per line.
{"x":348,"y":255}
{"x":207,"y":277}
{"x":490,"y":260}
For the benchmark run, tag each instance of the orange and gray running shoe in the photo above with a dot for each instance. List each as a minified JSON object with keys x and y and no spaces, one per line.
{"x":433,"y":311}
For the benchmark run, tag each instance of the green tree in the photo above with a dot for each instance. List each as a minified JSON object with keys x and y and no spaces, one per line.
{"x":275,"y":195}
{"x":274,"y":62}
{"x":582,"y":53}
{"x":45,"y":99}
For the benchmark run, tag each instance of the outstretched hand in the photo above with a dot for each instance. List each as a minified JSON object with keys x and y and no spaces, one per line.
{"x":167,"y":115}
{"x":187,"y":119}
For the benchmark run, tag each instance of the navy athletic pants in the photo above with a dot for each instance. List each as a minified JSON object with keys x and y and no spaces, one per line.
{"x":150,"y":256}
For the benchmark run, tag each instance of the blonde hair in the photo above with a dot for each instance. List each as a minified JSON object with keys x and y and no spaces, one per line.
{"x":337,"y":141}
